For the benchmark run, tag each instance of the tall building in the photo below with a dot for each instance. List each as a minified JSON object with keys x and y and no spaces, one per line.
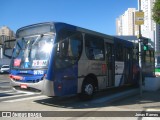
{"x":125,"y":24}
{"x":6,"y":34}
{"x":150,"y":29}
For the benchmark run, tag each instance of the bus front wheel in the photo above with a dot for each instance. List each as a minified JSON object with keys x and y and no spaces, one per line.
{"x":88,"y":89}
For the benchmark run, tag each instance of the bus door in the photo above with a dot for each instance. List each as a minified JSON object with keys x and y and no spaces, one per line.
{"x":109,"y":64}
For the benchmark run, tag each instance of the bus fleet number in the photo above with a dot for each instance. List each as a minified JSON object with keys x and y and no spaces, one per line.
{"x":38,"y":72}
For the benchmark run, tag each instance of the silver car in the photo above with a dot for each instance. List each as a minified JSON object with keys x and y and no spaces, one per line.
{"x":4,"y":69}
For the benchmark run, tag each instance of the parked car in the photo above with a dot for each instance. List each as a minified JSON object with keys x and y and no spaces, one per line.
{"x":4,"y":69}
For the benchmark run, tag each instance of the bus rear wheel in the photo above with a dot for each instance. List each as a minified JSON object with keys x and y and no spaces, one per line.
{"x":88,"y":89}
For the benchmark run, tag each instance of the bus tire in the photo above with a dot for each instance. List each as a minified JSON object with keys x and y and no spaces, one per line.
{"x":88,"y":89}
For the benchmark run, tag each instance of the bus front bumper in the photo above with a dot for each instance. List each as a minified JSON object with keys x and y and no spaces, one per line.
{"x":45,"y":86}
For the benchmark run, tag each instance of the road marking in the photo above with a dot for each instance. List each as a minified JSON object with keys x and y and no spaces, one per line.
{"x":8,"y":91}
{"x":28,"y":98}
{"x":17,"y":94}
{"x":12,"y":95}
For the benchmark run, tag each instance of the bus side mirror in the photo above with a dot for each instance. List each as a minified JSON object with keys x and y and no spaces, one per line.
{"x":8,"y":48}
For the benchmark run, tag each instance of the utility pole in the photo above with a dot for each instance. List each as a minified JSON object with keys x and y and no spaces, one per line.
{"x":140,"y":49}
{"x":139,"y":20}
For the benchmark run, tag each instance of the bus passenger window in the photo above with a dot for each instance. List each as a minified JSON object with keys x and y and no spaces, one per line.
{"x":69,"y":50}
{"x":94,"y":47}
{"x":119,"y":52}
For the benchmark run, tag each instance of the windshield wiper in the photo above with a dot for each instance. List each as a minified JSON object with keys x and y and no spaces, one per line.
{"x":40,"y":36}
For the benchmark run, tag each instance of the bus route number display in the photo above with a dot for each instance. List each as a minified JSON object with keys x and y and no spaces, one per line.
{"x":39,"y":63}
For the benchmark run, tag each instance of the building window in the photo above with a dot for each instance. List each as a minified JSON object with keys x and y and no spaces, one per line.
{"x":3,"y":31}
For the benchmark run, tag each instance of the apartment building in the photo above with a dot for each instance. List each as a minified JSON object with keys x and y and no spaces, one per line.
{"x":150,"y":29}
{"x":125,"y":24}
{"x":5,"y":34}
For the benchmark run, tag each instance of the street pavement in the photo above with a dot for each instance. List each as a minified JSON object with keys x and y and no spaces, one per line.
{"x":4,"y":82}
{"x":128,"y":101}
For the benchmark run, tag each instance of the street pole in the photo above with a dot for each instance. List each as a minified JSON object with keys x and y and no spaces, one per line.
{"x":140,"y":50}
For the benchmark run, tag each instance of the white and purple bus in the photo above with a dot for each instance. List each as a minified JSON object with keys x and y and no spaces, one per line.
{"x":59,"y":59}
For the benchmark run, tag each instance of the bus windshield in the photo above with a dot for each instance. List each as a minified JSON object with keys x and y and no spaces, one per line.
{"x":32,"y":52}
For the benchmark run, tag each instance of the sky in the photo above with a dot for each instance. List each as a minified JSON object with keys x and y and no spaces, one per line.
{"x":97,"y":15}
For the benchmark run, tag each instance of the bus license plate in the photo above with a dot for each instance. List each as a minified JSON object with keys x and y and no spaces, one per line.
{"x":23,"y":86}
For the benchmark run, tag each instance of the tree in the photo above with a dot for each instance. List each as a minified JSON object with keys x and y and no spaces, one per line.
{"x":156,"y":11}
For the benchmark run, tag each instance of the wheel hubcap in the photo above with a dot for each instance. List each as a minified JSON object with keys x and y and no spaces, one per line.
{"x":89,"y":89}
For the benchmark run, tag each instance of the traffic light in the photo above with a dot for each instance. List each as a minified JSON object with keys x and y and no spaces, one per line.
{"x":145,"y":44}
{"x":145,"y":47}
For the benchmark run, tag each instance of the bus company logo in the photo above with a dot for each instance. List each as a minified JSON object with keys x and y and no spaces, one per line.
{"x":6,"y":114}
